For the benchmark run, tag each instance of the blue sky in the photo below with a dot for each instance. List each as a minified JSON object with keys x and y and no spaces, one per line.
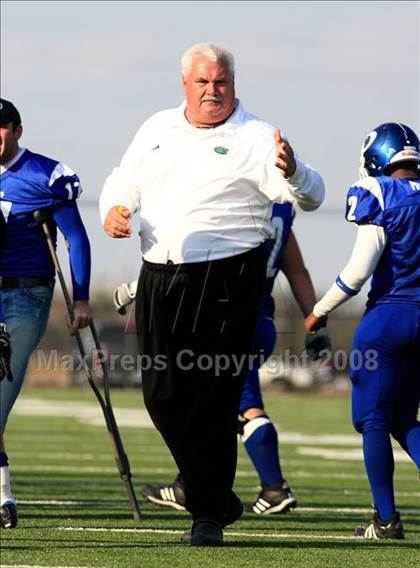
{"x":86,"y":74}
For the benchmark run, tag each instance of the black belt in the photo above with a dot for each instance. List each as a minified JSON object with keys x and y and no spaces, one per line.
{"x":7,"y":282}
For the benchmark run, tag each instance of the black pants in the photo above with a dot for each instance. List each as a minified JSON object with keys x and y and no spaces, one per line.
{"x":195,"y":327}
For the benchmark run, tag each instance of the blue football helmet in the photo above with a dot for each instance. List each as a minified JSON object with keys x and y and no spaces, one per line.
{"x":389,"y":143}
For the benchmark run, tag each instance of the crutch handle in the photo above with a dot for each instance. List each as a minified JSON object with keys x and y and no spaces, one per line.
{"x":42,"y":215}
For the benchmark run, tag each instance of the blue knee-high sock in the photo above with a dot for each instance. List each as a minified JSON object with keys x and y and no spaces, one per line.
{"x":261,"y":442}
{"x":413,"y":443}
{"x":409,"y":439}
{"x":3,"y":459}
{"x":379,"y":463}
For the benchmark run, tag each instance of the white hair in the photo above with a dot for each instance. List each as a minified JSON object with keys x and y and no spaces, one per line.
{"x":213,"y":52}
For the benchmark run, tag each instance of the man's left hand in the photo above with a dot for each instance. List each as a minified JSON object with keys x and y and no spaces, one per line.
{"x":285,"y":159}
{"x":5,"y":354}
{"x":82,"y":316}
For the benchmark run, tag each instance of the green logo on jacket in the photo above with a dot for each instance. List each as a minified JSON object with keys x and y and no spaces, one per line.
{"x":221,"y":150}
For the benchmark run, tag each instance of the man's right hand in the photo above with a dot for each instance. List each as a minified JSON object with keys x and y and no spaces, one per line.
{"x":117,"y":222}
{"x":5,"y":354}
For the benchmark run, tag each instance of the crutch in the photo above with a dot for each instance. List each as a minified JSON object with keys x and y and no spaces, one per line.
{"x":42,"y":217}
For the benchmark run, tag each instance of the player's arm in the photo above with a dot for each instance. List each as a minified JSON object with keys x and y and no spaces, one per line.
{"x":367,"y":251}
{"x":297,"y":274}
{"x":300,"y":282}
{"x":68,"y":220}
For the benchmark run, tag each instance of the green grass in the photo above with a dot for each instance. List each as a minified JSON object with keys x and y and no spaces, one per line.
{"x":66,"y":460}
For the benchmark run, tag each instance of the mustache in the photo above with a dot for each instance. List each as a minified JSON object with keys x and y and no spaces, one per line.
{"x":213,"y":98}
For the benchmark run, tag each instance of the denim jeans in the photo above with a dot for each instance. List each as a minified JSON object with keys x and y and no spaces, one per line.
{"x":26,"y":312}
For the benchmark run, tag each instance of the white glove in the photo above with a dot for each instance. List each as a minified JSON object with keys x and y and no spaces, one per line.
{"x":124,"y":295}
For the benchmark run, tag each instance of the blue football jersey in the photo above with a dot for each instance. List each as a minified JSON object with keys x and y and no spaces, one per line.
{"x":394,"y":204}
{"x":281,"y":219}
{"x":33,"y":182}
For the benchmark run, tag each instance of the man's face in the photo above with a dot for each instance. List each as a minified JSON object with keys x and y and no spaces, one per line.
{"x":209,"y":91}
{"x":9,"y":142}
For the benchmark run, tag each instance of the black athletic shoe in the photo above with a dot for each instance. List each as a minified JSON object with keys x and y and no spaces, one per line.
{"x":8,"y":515}
{"x":228,"y":518}
{"x":377,"y":529}
{"x":206,"y":532}
{"x":274,"y":499}
{"x":234,"y":514}
{"x":172,"y":495}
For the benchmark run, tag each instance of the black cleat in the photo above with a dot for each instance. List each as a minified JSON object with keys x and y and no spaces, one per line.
{"x":206,"y":532}
{"x":8,"y":515}
{"x":172,"y":495}
{"x":274,"y":499}
{"x":378,"y":529}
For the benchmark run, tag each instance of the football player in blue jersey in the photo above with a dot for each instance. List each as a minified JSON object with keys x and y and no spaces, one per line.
{"x":257,"y":432}
{"x":385,"y":204}
{"x":29,"y":182}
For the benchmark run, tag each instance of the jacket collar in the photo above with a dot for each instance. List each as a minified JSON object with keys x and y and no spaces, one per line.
{"x":235,"y":121}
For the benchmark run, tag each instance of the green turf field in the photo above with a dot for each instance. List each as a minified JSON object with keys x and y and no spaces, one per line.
{"x":73,"y":508}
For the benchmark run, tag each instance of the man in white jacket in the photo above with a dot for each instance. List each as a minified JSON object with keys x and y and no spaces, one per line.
{"x":203,"y":177}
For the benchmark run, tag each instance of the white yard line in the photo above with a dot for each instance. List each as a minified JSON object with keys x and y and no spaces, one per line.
{"x":86,"y":412}
{"x":123,"y":504}
{"x":302,"y":490}
{"x":70,"y":503}
{"x":65,"y":468}
{"x":227,"y":533}
{"x":74,"y":456}
{"x":139,"y":456}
